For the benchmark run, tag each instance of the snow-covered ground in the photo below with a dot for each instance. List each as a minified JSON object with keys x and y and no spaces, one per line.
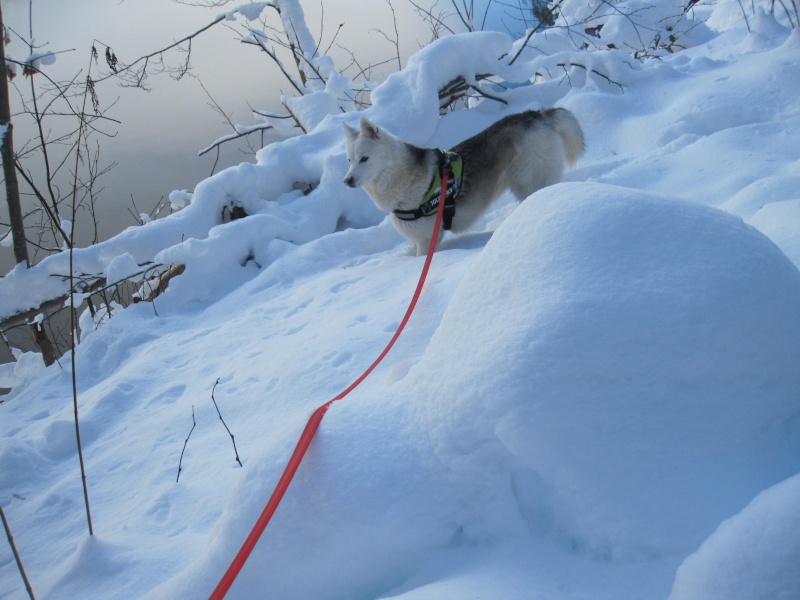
{"x":598,"y":396}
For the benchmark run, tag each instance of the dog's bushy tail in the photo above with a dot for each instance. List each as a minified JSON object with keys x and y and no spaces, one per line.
{"x":567,"y":126}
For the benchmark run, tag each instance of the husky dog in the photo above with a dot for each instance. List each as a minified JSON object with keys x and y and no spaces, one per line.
{"x":521,"y":153}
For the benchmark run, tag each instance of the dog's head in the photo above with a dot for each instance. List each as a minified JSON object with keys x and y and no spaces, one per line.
{"x":367,"y":152}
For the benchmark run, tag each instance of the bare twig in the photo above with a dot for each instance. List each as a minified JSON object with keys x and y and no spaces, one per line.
{"x":588,"y":70}
{"x":542,"y":24}
{"x":243,"y":133}
{"x":295,"y":117}
{"x":138,"y":67}
{"x":54,"y":220}
{"x":458,"y":88}
{"x":223,"y":422}
{"x":744,"y":14}
{"x":437,"y":22}
{"x":258,"y":39}
{"x":466,"y":15}
{"x":487,"y":95}
{"x":396,"y":41}
{"x":73,"y":312}
{"x":186,"y":441}
{"x":238,"y":131}
{"x":163,"y":281}
{"x":16,"y":554}
{"x":333,"y":39}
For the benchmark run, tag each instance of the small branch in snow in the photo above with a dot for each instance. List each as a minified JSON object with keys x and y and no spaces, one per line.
{"x":236,"y":452}
{"x":186,"y":441}
{"x":585,"y":68}
{"x":163,"y":282}
{"x":458,"y":87}
{"x":486,"y":94}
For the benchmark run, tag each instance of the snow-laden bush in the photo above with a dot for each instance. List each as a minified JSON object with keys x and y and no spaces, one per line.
{"x":643,"y":28}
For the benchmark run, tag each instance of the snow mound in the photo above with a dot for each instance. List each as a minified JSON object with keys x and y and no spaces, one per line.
{"x":621,"y":368}
{"x":753,"y":556}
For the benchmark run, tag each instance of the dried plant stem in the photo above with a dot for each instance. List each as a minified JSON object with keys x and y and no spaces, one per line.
{"x":186,"y":441}
{"x":236,"y":452}
{"x":16,"y":554}
{"x":73,"y":308}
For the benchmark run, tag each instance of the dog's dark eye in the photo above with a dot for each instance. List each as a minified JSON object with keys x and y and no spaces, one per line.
{"x":364,"y":159}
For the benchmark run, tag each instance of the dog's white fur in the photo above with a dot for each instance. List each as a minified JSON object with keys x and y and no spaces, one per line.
{"x":521,"y":153}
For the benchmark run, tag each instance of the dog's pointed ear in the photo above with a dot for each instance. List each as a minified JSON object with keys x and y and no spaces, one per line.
{"x":352,"y":132}
{"x":368,"y":129}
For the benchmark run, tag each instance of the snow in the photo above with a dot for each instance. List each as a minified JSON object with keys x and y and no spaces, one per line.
{"x":179,"y":199}
{"x":597,"y":396}
{"x":66,"y":227}
{"x":40,"y":58}
{"x":121,"y":267}
{"x":741,"y":559}
{"x":251,"y":11}
{"x":604,"y":283}
{"x":26,"y":365}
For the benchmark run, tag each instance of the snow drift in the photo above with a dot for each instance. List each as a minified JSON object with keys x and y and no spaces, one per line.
{"x":664,"y":332}
{"x":741,"y":559}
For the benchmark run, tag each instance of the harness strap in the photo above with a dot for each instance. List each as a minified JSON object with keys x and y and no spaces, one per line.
{"x":451,"y":166}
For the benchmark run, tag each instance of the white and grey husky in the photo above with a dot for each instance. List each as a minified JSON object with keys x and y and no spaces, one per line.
{"x":521,"y":153}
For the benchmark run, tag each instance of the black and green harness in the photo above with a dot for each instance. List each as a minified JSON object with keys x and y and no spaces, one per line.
{"x":452,"y":164}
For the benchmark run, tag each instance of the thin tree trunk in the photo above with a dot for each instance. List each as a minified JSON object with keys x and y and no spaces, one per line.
{"x":12,"y":191}
{"x":7,"y":152}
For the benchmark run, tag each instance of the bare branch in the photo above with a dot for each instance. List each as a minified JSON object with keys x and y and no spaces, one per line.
{"x":233,"y":441}
{"x":242,"y":133}
{"x":186,"y":441}
{"x":258,"y":41}
{"x":541,"y":25}
{"x":396,"y":41}
{"x":437,"y":22}
{"x":144,"y":61}
{"x":466,"y":16}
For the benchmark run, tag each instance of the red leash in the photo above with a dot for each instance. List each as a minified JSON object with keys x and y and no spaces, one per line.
{"x":313,"y":423}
